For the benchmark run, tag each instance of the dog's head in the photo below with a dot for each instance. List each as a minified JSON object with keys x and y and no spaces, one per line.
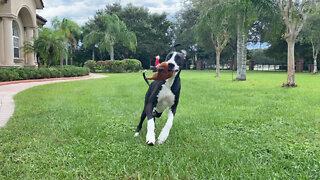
{"x":170,"y":67}
{"x":175,"y":60}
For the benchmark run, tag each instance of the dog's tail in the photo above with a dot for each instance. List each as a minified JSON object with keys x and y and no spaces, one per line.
{"x":145,"y":78}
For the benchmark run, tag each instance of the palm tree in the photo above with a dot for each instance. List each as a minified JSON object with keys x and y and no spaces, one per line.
{"x":71,"y":31}
{"x":241,"y":14}
{"x":107,"y":31}
{"x":28,"y":47}
{"x":246,"y":14}
{"x":49,"y":45}
{"x":213,"y":24}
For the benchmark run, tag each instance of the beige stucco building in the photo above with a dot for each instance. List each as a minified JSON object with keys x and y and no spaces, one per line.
{"x":18,"y":23}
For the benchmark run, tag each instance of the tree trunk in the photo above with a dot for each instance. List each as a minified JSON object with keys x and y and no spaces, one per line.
{"x":71,"y":58}
{"x":61,"y":60}
{"x":111,"y":53}
{"x":244,"y":56}
{"x":291,"y":69}
{"x":241,"y":54}
{"x":38,"y":60}
{"x":315,"y":68}
{"x":49,"y":61}
{"x":238,"y":51}
{"x":315,"y":56}
{"x":67,"y":59}
{"x":218,"y":63}
{"x":92,"y":54}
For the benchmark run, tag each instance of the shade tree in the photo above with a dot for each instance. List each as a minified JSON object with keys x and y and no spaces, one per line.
{"x":294,"y":14}
{"x":185,"y":33}
{"x":311,"y":34}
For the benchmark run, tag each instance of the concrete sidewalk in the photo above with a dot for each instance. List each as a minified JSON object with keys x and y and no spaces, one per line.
{"x":10,"y":89}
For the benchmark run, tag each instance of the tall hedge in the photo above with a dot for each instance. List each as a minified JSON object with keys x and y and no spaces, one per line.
{"x":132,"y":65}
{"x":115,"y":66}
{"x":12,"y":74}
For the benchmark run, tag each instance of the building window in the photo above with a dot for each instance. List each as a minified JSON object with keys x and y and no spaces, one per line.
{"x":16,"y":39}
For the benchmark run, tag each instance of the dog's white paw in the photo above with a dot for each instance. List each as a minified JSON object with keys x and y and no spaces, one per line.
{"x":136,"y":134}
{"x":162,"y":138}
{"x":150,"y":139}
{"x":160,"y":141}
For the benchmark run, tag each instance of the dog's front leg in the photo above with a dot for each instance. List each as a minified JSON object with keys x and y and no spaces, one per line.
{"x":150,"y":138}
{"x":166,"y":129}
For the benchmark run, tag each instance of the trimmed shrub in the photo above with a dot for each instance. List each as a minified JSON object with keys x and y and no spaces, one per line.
{"x":66,"y":72}
{"x":44,"y":73}
{"x":71,"y":71}
{"x":91,"y":64}
{"x":31,"y":73}
{"x":22,"y":74}
{"x":11,"y":74}
{"x":115,"y":66}
{"x":132,"y":65}
{"x":100,"y":66}
{"x":55,"y":73}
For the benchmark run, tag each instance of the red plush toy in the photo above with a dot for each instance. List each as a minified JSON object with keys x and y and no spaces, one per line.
{"x":157,"y":60}
{"x":162,"y":73}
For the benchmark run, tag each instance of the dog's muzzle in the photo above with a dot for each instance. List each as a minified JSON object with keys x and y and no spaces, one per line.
{"x":171,"y":67}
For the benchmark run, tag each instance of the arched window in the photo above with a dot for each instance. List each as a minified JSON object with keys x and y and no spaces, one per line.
{"x":16,"y":39}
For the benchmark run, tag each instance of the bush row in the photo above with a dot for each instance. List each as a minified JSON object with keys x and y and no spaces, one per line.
{"x":11,"y":74}
{"x":115,"y":66}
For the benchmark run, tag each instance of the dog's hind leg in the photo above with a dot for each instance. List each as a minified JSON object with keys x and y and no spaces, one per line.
{"x":143,"y":116}
{"x":166,"y":129}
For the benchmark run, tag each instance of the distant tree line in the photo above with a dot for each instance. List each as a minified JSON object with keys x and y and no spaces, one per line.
{"x":212,"y":30}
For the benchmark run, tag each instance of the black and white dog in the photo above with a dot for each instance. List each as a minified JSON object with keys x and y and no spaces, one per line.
{"x":160,"y":95}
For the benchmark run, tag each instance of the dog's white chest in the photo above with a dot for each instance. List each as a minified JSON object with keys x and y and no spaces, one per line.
{"x":165,"y":99}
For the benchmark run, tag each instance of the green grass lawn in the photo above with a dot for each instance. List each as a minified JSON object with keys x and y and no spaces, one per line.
{"x":223,"y":129}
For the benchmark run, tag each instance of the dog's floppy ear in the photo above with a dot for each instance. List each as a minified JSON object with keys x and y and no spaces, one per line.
{"x":184,"y":52}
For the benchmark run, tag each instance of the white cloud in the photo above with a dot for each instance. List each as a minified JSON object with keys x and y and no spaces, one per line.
{"x":160,"y":7}
{"x":81,"y":10}
{"x":78,"y":11}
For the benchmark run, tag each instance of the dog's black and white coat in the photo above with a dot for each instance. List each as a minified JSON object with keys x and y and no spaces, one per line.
{"x":160,"y":95}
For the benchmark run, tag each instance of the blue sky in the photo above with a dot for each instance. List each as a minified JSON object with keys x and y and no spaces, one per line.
{"x":81,"y":10}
